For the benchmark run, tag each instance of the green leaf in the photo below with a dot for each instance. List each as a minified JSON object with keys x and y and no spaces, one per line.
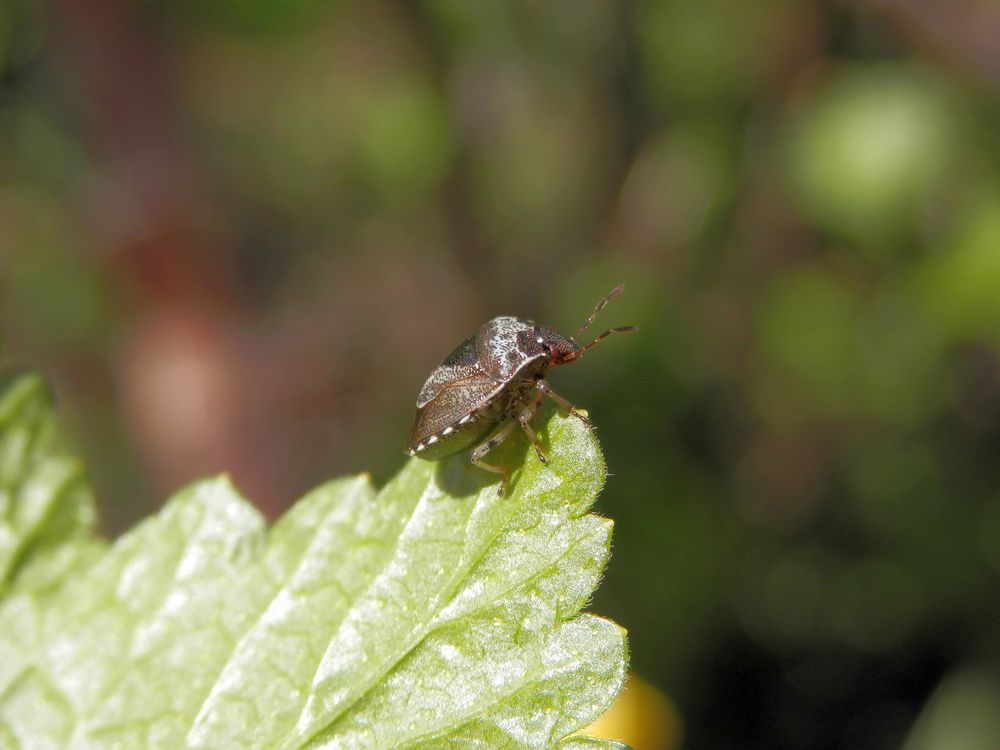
{"x":46,"y":509}
{"x":431,"y":614}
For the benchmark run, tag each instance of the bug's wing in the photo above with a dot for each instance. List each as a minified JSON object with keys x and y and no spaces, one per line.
{"x":461,"y":363}
{"x":467,"y":389}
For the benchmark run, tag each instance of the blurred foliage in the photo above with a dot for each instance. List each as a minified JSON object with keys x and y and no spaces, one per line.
{"x":873,"y":146}
{"x":239,"y":234}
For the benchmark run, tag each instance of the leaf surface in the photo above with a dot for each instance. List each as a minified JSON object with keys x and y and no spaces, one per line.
{"x":430,"y":614}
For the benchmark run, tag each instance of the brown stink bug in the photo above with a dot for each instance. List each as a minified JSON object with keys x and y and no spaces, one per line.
{"x":492,"y":382}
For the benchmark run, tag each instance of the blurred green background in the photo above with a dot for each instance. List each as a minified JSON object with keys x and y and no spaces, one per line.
{"x":238,"y":234}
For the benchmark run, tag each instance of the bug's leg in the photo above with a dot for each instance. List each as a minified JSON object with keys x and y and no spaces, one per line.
{"x":562,"y":403}
{"x":485,"y":447}
{"x":524,"y":419}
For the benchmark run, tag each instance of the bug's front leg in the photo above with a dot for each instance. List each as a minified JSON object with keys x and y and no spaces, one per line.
{"x":562,"y":403}
{"x":524,"y":419}
{"x":489,"y":444}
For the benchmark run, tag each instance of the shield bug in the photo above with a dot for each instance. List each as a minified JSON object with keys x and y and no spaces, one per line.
{"x":493,"y":382}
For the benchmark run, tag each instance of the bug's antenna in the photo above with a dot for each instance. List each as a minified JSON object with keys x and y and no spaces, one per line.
{"x":597,"y":309}
{"x":619,"y":329}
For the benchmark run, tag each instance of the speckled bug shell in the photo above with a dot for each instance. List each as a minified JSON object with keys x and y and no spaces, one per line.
{"x":478,"y":385}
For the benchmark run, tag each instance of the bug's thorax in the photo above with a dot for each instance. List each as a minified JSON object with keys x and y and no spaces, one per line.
{"x":511,"y":348}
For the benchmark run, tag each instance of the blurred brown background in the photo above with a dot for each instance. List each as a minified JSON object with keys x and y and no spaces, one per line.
{"x":238,"y":234}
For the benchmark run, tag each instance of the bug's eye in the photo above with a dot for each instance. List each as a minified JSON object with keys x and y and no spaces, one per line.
{"x":541,"y":341}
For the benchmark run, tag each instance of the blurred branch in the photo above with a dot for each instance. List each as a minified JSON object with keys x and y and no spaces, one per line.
{"x":468,"y":243}
{"x":186,"y":382}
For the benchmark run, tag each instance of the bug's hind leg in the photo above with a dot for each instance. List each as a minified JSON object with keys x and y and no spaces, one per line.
{"x":489,"y":444}
{"x":524,"y":419}
{"x":562,"y":403}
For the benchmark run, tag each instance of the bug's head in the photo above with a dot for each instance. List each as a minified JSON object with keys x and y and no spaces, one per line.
{"x":558,"y":348}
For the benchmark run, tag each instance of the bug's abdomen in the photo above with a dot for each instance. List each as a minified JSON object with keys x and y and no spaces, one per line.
{"x":434,"y":437}
{"x":460,"y":438}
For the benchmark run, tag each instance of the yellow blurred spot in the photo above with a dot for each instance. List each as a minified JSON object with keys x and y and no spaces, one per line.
{"x":642,"y":717}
